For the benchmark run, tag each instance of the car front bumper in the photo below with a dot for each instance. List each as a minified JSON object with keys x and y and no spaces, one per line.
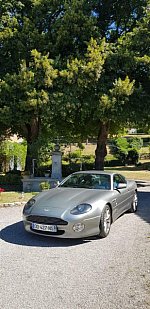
{"x":91,"y":228}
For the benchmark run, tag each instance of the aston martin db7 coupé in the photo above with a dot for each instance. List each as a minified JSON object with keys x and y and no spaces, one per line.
{"x":83,"y":204}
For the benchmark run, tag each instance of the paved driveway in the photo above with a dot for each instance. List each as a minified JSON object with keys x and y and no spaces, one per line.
{"x":112,"y":273}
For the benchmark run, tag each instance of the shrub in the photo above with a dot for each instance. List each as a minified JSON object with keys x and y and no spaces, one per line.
{"x":75,"y":155}
{"x":89,"y":158}
{"x":112,"y":163}
{"x":68,"y":169}
{"x":127,"y":150}
{"x":76,"y":167}
{"x":88,"y":166}
{"x":133,"y":156}
{"x":40,"y":171}
{"x":11,"y":182}
{"x":45,"y":185}
{"x":14,"y":172}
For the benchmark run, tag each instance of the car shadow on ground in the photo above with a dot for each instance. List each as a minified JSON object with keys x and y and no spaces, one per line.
{"x":144,"y":205}
{"x":16,"y":234}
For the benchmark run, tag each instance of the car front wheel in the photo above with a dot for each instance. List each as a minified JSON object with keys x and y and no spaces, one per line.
{"x":105,"y":222}
{"x":134,"y":203}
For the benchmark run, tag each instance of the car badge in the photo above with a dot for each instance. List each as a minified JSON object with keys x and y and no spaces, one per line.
{"x":46,"y":209}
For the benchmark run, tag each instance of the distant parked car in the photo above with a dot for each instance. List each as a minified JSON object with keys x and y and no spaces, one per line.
{"x":83,"y":204}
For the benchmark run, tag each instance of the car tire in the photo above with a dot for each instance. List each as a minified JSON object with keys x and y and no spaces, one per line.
{"x":105,"y":222}
{"x":134,"y":203}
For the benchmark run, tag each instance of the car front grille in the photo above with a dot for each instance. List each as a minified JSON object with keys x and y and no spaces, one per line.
{"x":46,"y":220}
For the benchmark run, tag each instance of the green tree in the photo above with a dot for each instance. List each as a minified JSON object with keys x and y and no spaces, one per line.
{"x":25,"y":96}
{"x":93,"y":102}
{"x":108,"y":88}
{"x":32,"y":33}
{"x":78,"y":93}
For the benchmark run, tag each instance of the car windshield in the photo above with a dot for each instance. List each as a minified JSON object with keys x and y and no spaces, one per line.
{"x":89,"y":181}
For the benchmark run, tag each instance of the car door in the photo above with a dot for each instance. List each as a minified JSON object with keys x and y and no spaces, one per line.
{"x":121,"y":196}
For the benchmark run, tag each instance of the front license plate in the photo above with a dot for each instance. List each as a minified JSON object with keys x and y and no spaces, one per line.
{"x":43,"y":227}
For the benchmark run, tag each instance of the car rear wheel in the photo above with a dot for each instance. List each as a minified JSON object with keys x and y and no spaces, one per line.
{"x":134,"y":203}
{"x":105,"y":222}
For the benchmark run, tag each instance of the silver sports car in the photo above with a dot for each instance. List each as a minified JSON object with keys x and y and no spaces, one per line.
{"x":83,"y":204}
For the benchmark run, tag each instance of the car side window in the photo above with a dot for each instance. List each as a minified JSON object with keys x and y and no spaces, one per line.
{"x":115,"y":181}
{"x":122,"y":179}
{"x":118,"y":179}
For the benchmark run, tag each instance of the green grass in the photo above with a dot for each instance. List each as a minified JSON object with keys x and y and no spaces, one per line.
{"x":144,"y":150}
{"x":11,"y":197}
{"x":131,"y":172}
{"x":140,"y":172}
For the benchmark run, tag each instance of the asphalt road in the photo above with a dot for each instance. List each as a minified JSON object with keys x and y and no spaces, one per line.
{"x":112,"y":273}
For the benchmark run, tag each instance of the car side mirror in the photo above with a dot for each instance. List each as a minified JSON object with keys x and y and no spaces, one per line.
{"x":121,"y":186}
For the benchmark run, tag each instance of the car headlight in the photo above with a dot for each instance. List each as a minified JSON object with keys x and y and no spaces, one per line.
{"x":28,"y":205}
{"x":81,"y":209}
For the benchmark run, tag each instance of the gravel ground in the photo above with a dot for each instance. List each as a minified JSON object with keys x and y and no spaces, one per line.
{"x":112,"y":273}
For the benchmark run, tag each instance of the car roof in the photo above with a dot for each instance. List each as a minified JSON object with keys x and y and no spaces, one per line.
{"x":95,"y":172}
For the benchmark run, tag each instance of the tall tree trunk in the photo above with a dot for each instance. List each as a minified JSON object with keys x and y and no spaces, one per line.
{"x":101,"y":150}
{"x":29,"y":158}
{"x":32,"y":133}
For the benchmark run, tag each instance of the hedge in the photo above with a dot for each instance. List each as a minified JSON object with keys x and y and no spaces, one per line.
{"x":11,"y":182}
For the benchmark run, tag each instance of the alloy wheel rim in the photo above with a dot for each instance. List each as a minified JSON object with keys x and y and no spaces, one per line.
{"x":135,"y":201}
{"x":107,"y":220}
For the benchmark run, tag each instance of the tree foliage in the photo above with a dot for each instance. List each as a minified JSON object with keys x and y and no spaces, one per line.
{"x":115,"y":18}
{"x":73,"y":68}
{"x":127,"y":149}
{"x":12,"y":151}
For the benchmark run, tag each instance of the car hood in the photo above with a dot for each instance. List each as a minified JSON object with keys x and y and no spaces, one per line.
{"x":60,"y":200}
